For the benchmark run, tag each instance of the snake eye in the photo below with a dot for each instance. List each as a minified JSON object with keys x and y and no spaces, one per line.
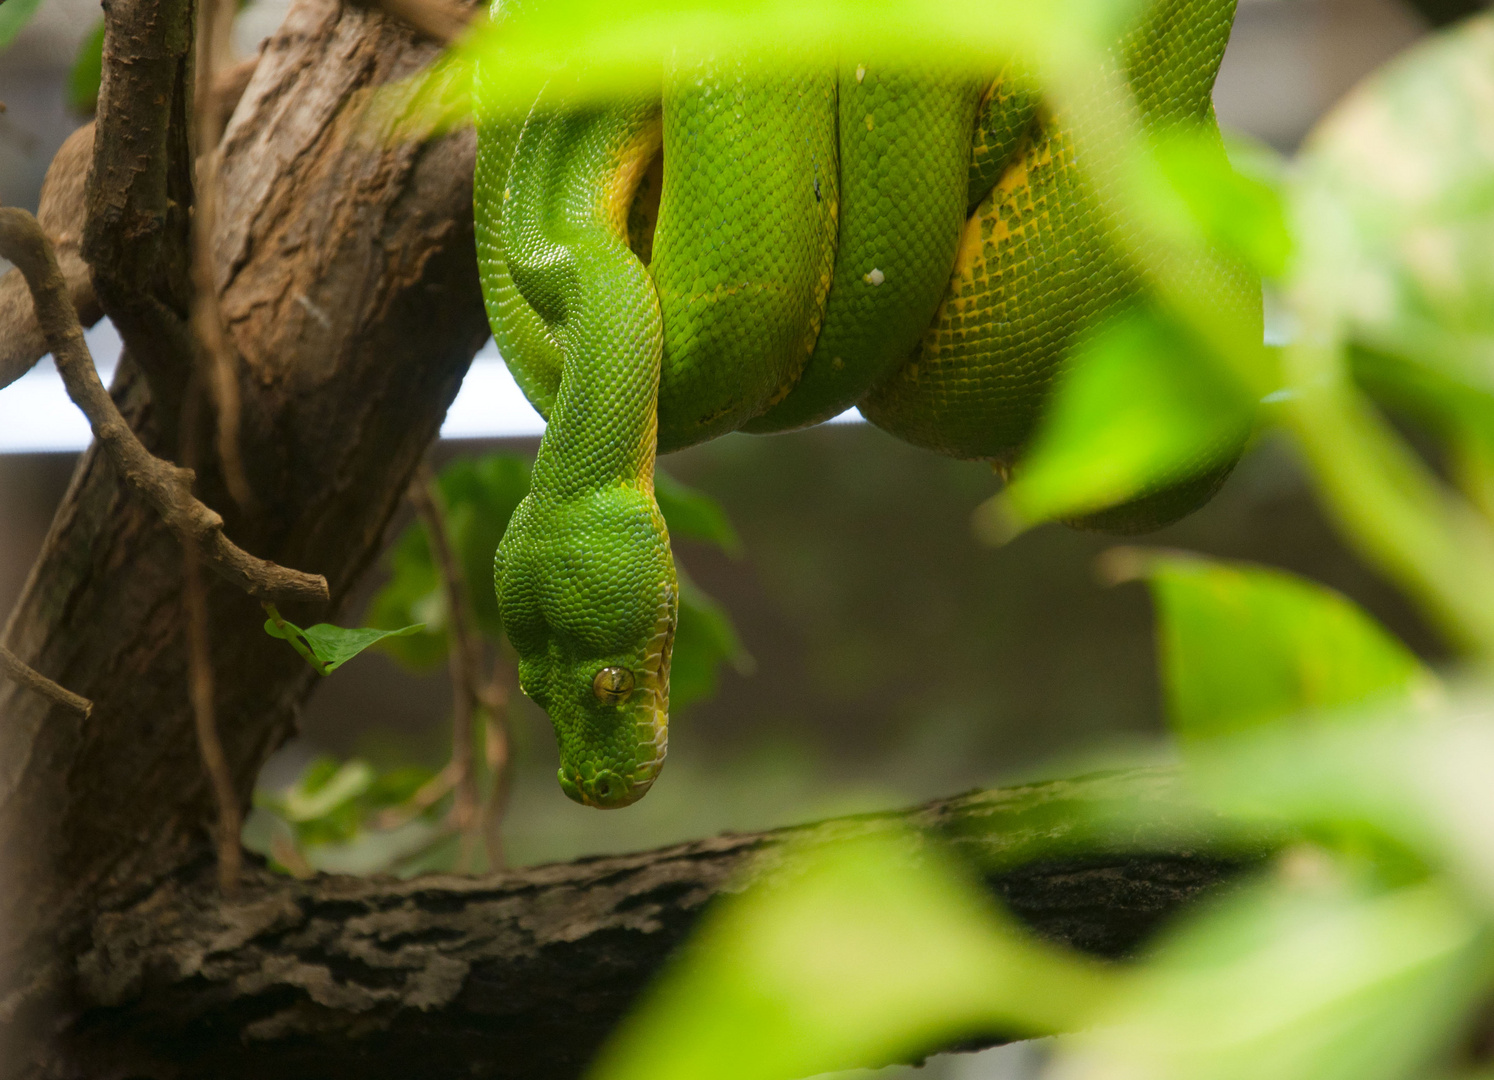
{"x":612,"y":684}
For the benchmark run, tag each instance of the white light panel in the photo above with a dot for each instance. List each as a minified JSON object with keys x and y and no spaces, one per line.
{"x":36,"y":415}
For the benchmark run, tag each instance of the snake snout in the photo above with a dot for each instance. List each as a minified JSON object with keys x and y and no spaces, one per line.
{"x":605,"y":789}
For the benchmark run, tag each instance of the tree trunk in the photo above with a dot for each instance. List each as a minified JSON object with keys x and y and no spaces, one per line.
{"x":351,"y":296}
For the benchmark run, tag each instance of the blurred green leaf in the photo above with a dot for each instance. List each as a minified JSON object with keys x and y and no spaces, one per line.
{"x":704,"y":640}
{"x":14,"y":15}
{"x":1242,"y":646}
{"x":1394,"y":207}
{"x":331,"y":807}
{"x":327,"y":647}
{"x":1239,"y":209}
{"x":853,"y":953}
{"x":1392,"y":204}
{"x":1138,"y":409}
{"x":590,"y":48}
{"x":1310,"y":976}
{"x":87,"y":72}
{"x":694,"y":515}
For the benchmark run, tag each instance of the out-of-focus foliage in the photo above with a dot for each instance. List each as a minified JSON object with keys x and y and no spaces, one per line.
{"x":860,"y":952}
{"x":1242,"y":646}
{"x":14,"y":15}
{"x":1141,"y":407}
{"x":349,"y":817}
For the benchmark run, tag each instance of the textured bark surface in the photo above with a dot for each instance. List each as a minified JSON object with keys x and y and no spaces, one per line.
{"x":351,"y":291}
{"x":523,"y":974}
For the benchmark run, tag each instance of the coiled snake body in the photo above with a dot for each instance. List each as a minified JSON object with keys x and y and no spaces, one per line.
{"x":759,"y":251}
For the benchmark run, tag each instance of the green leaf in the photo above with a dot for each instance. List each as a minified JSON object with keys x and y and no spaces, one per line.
{"x":854,"y":953}
{"x":693,"y":515}
{"x":1235,"y":199}
{"x":14,"y":15}
{"x":87,"y":72}
{"x":1243,"y":646}
{"x":1309,"y":976}
{"x":327,"y":647}
{"x":592,"y":48}
{"x":1139,"y":408}
{"x":704,"y":640}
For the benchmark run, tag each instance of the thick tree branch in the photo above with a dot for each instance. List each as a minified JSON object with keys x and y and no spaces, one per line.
{"x":521,"y":975}
{"x":166,"y":487}
{"x":139,"y":194}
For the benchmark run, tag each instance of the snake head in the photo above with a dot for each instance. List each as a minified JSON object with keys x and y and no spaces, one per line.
{"x":589,"y":600}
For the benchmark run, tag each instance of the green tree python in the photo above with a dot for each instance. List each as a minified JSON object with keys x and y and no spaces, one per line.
{"x":757,"y":251}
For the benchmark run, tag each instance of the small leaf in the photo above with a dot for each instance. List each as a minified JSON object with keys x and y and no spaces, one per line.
{"x":854,"y":953}
{"x":327,"y":647}
{"x":693,"y":515}
{"x":14,"y":15}
{"x":336,"y":645}
{"x":87,"y":72}
{"x":1242,"y":646}
{"x":1138,"y":409}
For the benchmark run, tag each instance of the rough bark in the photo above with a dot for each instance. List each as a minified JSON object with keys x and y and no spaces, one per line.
{"x":523,"y":974}
{"x":350,"y":288}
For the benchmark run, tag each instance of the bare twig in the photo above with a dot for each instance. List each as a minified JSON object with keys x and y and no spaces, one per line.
{"x":214,"y":357}
{"x":32,"y":679}
{"x":166,"y":487}
{"x":230,"y":818}
{"x":465,"y":653}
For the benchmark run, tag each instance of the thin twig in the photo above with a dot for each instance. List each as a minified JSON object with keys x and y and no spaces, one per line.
{"x":32,"y":679}
{"x":465,"y":652}
{"x":167,"y":487}
{"x":214,"y":760}
{"x":215,"y":359}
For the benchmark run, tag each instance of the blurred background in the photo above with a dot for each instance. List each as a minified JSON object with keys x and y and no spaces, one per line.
{"x":891,"y":657}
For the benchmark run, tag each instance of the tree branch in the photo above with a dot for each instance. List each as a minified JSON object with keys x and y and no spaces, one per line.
{"x":523,"y":974}
{"x":168,"y":488}
{"x":32,"y":679}
{"x":139,"y":193}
